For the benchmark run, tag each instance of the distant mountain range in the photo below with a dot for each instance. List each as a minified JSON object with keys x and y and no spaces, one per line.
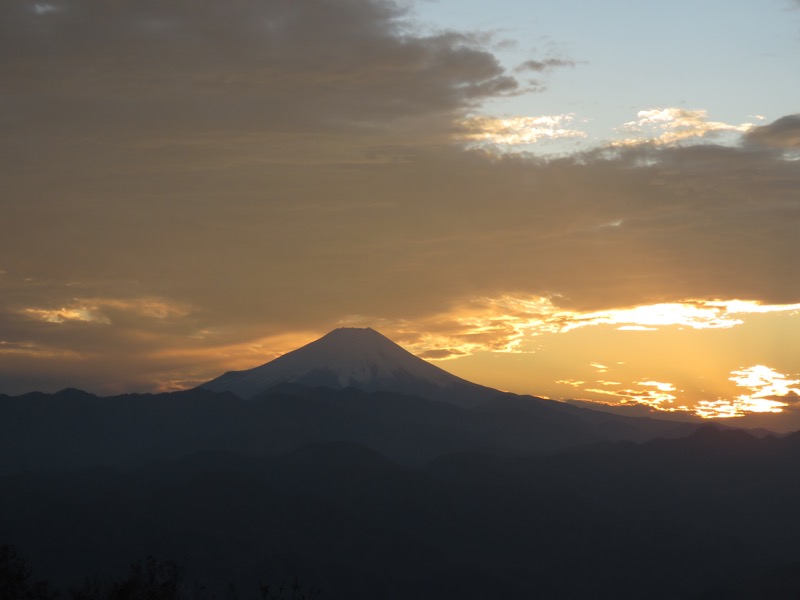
{"x":351,"y":385}
{"x":369,"y":473}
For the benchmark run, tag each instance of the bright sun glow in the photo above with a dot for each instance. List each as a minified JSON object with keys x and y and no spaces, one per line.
{"x":697,"y":314}
{"x":514,"y":325}
{"x":506,"y":323}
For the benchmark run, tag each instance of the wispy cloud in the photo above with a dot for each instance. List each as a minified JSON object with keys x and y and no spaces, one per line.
{"x":769,"y":392}
{"x":673,"y":125}
{"x":655,"y":394}
{"x":36,"y":351}
{"x":519,"y":130}
{"x":543,"y":65}
{"x":95,"y":310}
{"x":507,"y":323}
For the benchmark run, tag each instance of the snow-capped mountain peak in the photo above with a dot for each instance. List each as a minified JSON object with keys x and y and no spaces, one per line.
{"x":352,"y":357}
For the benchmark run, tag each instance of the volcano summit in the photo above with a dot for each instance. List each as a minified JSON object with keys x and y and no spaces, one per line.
{"x":354,"y":358}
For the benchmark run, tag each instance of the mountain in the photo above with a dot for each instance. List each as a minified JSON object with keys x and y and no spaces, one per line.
{"x":354,"y":358}
{"x":364,"y":360}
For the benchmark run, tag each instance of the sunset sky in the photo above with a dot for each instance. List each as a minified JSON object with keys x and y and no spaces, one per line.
{"x":574,"y":199}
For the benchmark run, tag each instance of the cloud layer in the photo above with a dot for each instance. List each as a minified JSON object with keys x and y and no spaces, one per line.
{"x":185,"y":180}
{"x":784,"y":133}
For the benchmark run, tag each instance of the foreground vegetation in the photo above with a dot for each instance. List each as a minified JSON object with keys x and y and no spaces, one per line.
{"x":148,"y":579}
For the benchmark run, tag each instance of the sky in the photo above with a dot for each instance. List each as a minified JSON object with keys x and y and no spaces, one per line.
{"x":596,"y":202}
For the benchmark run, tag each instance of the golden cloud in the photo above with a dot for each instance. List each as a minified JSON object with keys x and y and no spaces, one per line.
{"x":673,"y":125}
{"x":519,"y":130}
{"x":770,"y":392}
{"x":655,"y":394}
{"x":38,"y":351}
{"x":503,"y":324}
{"x":92,"y":310}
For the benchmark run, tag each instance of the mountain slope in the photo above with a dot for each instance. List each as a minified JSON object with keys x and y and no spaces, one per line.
{"x":357,"y":358}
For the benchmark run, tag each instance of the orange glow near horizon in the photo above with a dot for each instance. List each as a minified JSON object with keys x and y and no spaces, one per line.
{"x":670,"y":357}
{"x":676,"y":357}
{"x":504,"y":324}
{"x":692,"y":357}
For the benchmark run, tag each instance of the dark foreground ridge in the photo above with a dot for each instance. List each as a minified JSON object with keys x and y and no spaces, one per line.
{"x":683,"y":519}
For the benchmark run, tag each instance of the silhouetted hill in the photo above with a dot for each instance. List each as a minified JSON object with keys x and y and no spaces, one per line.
{"x":780,"y":583}
{"x":664,"y":519}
